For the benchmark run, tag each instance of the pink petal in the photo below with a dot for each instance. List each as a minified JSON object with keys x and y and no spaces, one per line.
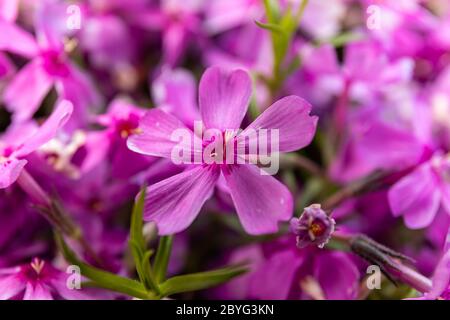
{"x":37,"y":292}
{"x":51,"y":32}
{"x":60,"y":285}
{"x":175,"y":202}
{"x":445,"y":191}
{"x":222,"y":15}
{"x":10,"y":286}
{"x":278,"y":274}
{"x":423,"y":215}
{"x":151,"y":19}
{"x":175,"y":91}
{"x":289,"y":115}
{"x":261,"y":201}
{"x":19,"y":132}
{"x":27,"y":90}
{"x":224,"y":97}
{"x":10,"y":170}
{"x":7,"y":68}
{"x":48,"y":130}
{"x":337,"y":275}
{"x":416,"y":197}
{"x":16,"y":40}
{"x":239,"y":287}
{"x":363,"y":60}
{"x":9,"y":9}
{"x":384,"y":146}
{"x":155,"y":139}
{"x":441,"y":277}
{"x":174,"y":43}
{"x":79,"y":89}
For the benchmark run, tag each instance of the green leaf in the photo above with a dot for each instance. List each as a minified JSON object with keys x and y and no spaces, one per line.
{"x":270,"y":26}
{"x":272,"y":10}
{"x":138,"y":246}
{"x":136,"y":240}
{"x":138,"y":257}
{"x":162,"y":258}
{"x":136,"y":222}
{"x":301,"y":10}
{"x":102,"y":278}
{"x":201,"y":280}
{"x":150,"y":279}
{"x":344,"y":38}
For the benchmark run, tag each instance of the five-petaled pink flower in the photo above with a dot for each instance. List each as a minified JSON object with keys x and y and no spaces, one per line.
{"x":49,"y":66}
{"x":18,"y":142}
{"x":261,"y":201}
{"x":39,"y":280}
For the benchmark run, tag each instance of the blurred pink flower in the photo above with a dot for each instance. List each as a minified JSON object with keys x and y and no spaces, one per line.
{"x":292,"y":273}
{"x":38,"y":280}
{"x":418,"y":196}
{"x":49,"y":66}
{"x":17,"y":143}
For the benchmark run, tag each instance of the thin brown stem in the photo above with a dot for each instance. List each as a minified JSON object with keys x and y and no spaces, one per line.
{"x":351,"y":190}
{"x":304,"y":163}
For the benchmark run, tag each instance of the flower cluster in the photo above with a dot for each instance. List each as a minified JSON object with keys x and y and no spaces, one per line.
{"x":307,"y":141}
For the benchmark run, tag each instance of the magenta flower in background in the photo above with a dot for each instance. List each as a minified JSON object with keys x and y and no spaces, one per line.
{"x":106,"y":33}
{"x":418,"y":196}
{"x":19,"y":142}
{"x":178,"y":22}
{"x":49,"y":66}
{"x":9,"y":9}
{"x":38,"y":280}
{"x":260,"y":200}
{"x":121,"y":121}
{"x":374,"y":143}
{"x":326,"y":14}
{"x":6,"y":68}
{"x":222,"y":15}
{"x":175,"y":91}
{"x":292,"y":273}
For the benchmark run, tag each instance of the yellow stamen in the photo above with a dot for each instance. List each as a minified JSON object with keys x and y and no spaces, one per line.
{"x":38,"y":265}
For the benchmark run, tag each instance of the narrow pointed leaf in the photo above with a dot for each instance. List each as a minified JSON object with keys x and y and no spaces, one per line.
{"x":136,"y":221}
{"x":162,"y":258}
{"x":102,"y":278}
{"x":201,"y":280}
{"x":269,"y":26}
{"x":150,"y":279}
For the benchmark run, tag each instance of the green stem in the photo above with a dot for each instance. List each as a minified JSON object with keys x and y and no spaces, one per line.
{"x":162,"y":258}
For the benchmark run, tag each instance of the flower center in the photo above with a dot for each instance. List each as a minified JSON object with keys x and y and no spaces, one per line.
{"x":35,"y":270}
{"x":215,"y":148}
{"x":7,"y":152}
{"x":54,"y":63}
{"x":128,"y":127}
{"x":317,"y":228}
{"x":37,"y":265}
